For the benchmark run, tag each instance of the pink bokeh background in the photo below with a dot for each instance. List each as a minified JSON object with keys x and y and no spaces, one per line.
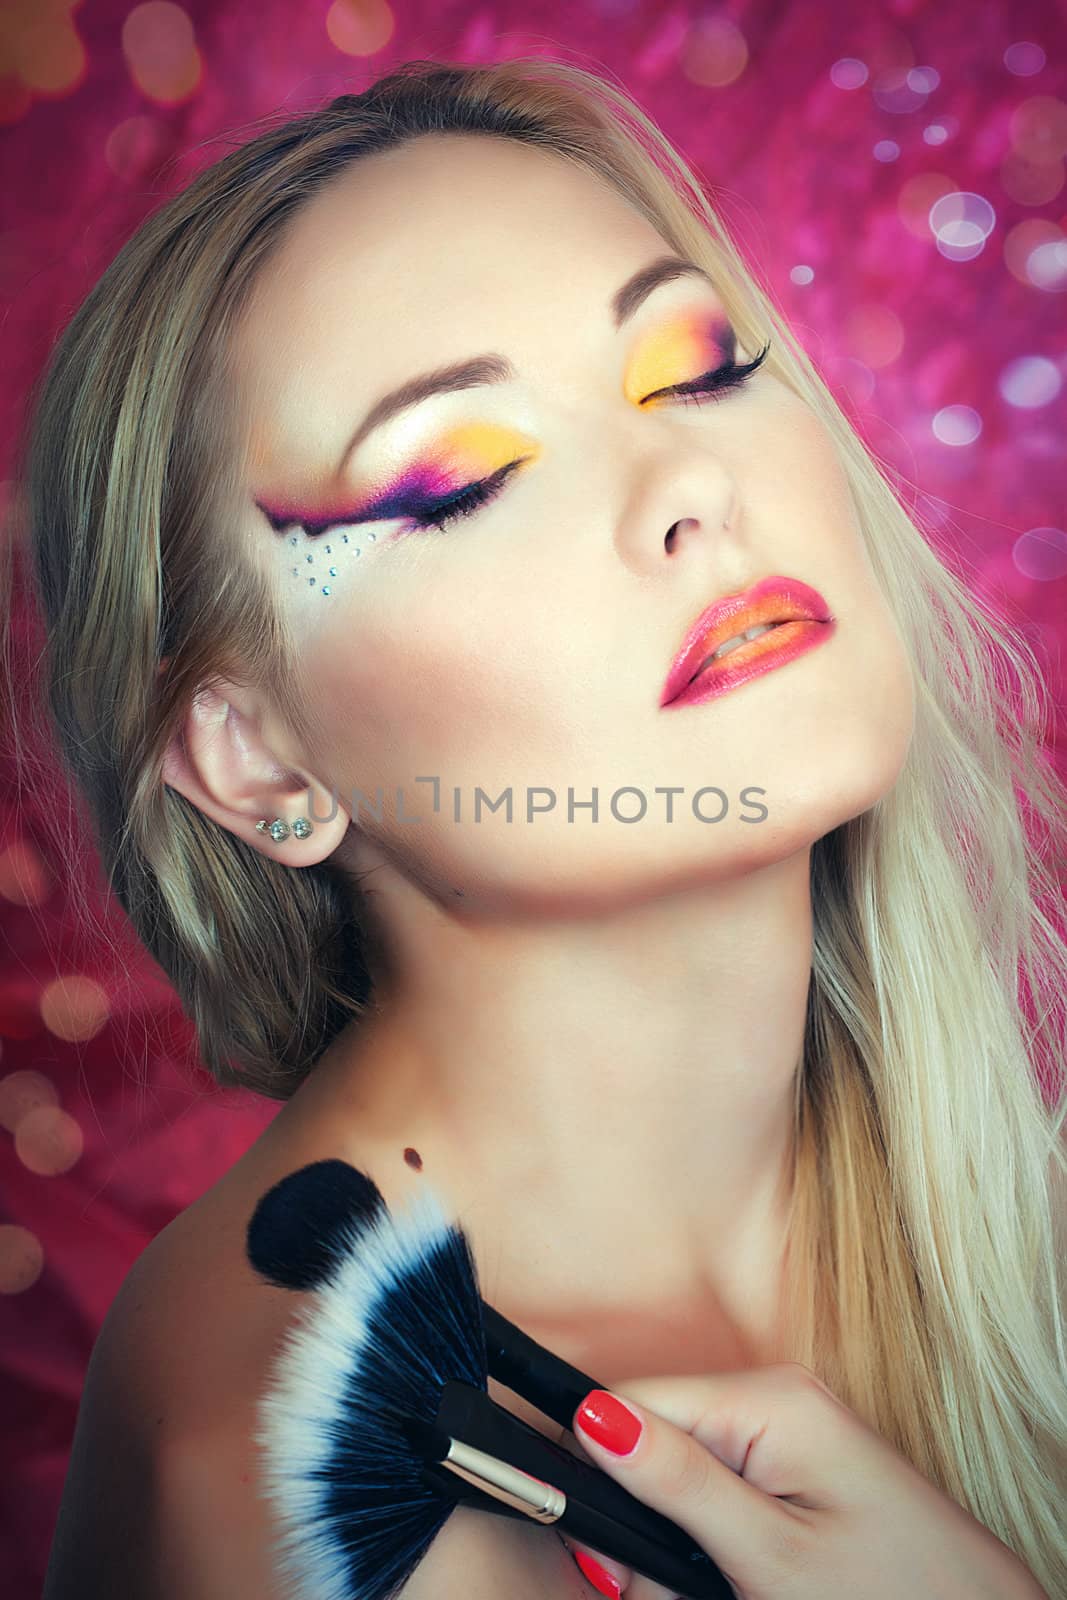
{"x":894,"y":174}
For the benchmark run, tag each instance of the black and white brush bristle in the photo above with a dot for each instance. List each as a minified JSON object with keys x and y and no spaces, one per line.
{"x":397,"y":1311}
{"x":377,"y":1422}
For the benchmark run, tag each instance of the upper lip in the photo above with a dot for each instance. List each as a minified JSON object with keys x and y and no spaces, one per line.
{"x":774,"y":599}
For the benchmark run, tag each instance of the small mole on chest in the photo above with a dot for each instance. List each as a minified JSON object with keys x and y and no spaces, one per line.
{"x":413,"y":1159}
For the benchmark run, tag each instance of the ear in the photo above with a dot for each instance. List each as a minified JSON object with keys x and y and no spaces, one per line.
{"x":221,"y":762}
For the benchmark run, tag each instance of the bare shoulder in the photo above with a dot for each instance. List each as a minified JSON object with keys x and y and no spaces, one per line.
{"x":163,"y":1498}
{"x":166,"y":1381}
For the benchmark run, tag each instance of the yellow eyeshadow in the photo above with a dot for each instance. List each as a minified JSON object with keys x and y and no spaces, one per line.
{"x":673,"y":353}
{"x":481,"y":447}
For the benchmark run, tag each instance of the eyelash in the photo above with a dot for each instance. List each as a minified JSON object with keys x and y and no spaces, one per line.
{"x":698,"y":391}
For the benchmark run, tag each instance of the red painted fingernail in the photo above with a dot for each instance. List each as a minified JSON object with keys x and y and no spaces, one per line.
{"x":609,"y":1422}
{"x":598,"y":1576}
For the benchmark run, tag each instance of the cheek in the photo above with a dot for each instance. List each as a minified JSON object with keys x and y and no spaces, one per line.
{"x":876,"y":721}
{"x":399,"y":701}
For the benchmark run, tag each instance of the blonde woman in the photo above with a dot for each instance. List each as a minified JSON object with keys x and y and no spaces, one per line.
{"x":427,"y":447}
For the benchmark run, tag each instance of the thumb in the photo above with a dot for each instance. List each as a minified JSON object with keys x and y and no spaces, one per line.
{"x":695,"y":1481}
{"x":778,"y":1427}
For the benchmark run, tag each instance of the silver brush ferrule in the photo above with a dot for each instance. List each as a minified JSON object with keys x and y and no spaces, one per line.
{"x":540,"y":1501}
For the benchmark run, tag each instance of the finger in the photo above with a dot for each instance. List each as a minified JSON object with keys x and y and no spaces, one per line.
{"x":778,"y":1427}
{"x":663,"y":1464}
{"x":608,"y":1577}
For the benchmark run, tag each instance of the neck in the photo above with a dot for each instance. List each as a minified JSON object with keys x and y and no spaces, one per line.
{"x":607,"y":1106}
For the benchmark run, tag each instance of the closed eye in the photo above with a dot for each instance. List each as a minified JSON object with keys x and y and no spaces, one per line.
{"x":732,"y":375}
{"x":696,"y":391}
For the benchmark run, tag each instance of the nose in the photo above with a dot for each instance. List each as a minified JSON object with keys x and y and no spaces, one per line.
{"x":710,"y":491}
{"x":687,"y":526}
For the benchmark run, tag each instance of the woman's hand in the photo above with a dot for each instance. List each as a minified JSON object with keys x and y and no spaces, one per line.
{"x":791,"y":1494}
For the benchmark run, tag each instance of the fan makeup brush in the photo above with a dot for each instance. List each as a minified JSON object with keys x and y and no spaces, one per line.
{"x":377,"y":1420}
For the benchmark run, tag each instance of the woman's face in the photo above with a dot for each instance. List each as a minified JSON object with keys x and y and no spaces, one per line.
{"x":526,"y":647}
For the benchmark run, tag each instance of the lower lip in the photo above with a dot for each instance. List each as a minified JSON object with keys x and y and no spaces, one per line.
{"x":773,"y":649}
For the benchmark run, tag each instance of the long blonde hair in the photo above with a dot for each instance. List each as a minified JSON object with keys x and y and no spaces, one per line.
{"x":924,"y":1282}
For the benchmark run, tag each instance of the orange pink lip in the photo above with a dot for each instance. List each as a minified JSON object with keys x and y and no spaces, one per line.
{"x":803,"y":619}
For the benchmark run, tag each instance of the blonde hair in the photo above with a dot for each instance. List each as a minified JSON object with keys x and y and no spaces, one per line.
{"x":924,"y":1280}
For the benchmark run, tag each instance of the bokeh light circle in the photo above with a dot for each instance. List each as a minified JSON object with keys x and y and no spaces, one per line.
{"x":924,"y":80}
{"x":24,"y":880}
{"x":852,"y":377}
{"x":874,"y":335}
{"x":961,"y":222}
{"x":162,"y":58}
{"x":970,"y":245}
{"x":1020,"y":243}
{"x":801,"y":274}
{"x":956,"y":425}
{"x":886,"y":150}
{"x":135,"y":146}
{"x":48,"y":1141}
{"x":715,"y":53}
{"x":1041,"y":554}
{"x":965,"y":210}
{"x":360,"y":27}
{"x":1031,"y":183}
{"x":848,"y":73}
{"x":1024,"y":58}
{"x":43,"y":49}
{"x":1038,"y":128}
{"x":1046,"y":265}
{"x":22,"y":1092}
{"x":1030,"y":381}
{"x":21,"y":1258}
{"x":893,"y":91}
{"x":74,"y":1007}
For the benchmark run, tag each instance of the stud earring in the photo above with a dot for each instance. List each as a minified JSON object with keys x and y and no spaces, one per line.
{"x":280,"y":830}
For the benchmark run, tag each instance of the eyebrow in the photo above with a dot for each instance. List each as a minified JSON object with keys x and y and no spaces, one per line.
{"x":494,"y":368}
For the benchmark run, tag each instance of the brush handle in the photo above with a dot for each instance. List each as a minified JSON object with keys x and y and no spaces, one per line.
{"x":599,"y":1512}
{"x":521,"y":1364}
